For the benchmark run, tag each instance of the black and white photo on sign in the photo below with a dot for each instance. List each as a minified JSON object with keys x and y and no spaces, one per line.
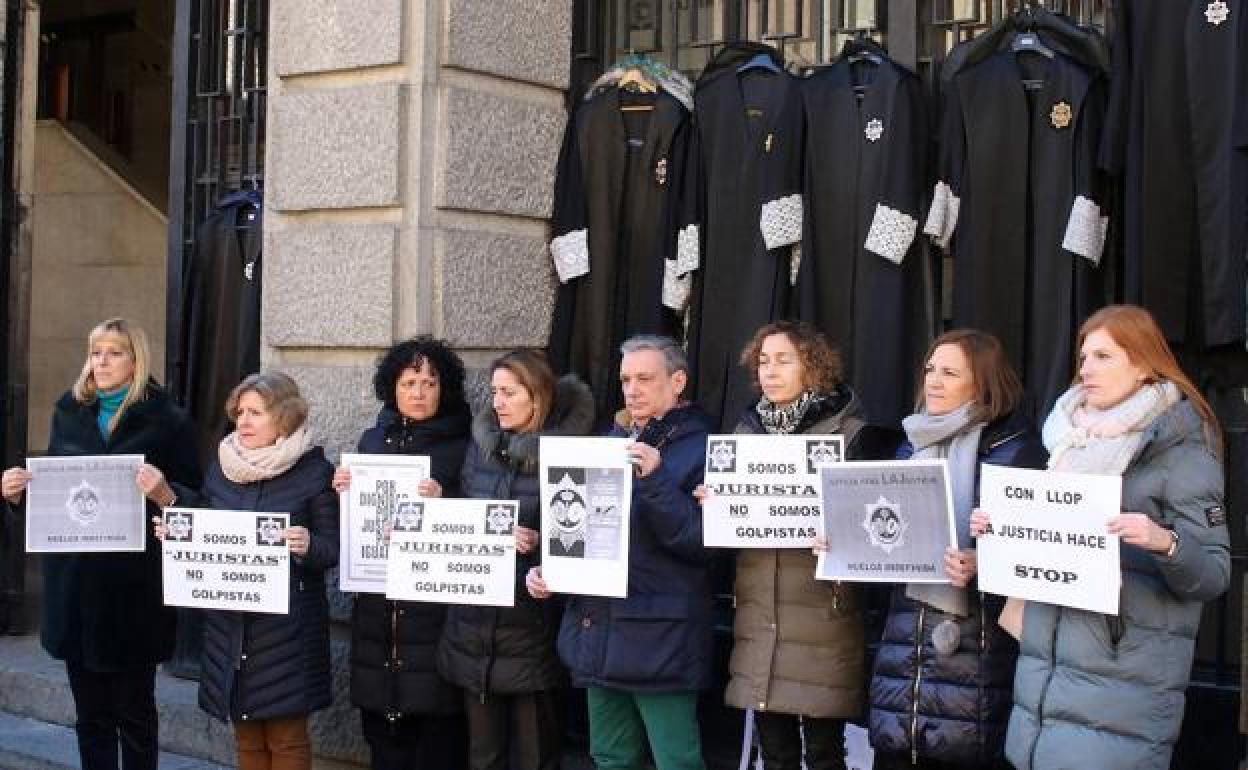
{"x":381,"y":486}
{"x":823,"y":451}
{"x":453,"y":551}
{"x":763,"y":490}
{"x":271,"y":530}
{"x":586,"y":497}
{"x":409,"y":516}
{"x":500,"y":519}
{"x":179,"y":526}
{"x":585,"y":509}
{"x":569,"y":511}
{"x":85,"y":503}
{"x":1048,"y":537}
{"x":226,"y":560}
{"x":886,"y":521}
{"x":721,"y":455}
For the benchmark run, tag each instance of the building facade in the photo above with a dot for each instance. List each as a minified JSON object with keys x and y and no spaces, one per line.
{"x":406,"y":151}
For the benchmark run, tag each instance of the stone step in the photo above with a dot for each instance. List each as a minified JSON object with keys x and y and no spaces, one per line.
{"x":28,"y":744}
{"x":35,"y":686}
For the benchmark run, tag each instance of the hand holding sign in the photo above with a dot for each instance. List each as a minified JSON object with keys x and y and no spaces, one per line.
{"x":14,"y":484}
{"x":298,"y":538}
{"x":960,"y":566}
{"x":1139,"y":530}
{"x":536,"y":584}
{"x":1048,"y":537}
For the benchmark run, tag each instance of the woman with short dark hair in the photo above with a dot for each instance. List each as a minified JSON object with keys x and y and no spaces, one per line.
{"x":267,"y":673}
{"x":940,"y":686}
{"x":504,"y":657}
{"x":411,"y":716}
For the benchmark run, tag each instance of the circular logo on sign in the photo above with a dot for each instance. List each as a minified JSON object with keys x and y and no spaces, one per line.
{"x":84,"y":504}
{"x":884,"y":525}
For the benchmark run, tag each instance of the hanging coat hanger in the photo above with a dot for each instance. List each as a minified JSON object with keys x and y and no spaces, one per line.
{"x":862,"y":48}
{"x":1025,"y":38}
{"x":636,"y":80}
{"x":760,"y":61}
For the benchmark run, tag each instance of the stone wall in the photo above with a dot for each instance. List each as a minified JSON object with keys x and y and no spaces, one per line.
{"x":411,"y":154}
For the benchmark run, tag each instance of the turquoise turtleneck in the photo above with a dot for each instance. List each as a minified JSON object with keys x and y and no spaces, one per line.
{"x":110,"y":402}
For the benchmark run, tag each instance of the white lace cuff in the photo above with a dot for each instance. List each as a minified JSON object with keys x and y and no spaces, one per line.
{"x":676,"y":286}
{"x":571,"y":254}
{"x":781,"y":221}
{"x":942,"y":218}
{"x":687,"y":250}
{"x":1085,"y":231}
{"x":891,"y":233}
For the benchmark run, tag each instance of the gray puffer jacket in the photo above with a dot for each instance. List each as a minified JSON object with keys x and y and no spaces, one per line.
{"x":1105,"y":691}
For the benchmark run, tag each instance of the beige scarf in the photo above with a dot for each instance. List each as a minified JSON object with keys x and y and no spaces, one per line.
{"x":247,"y":466}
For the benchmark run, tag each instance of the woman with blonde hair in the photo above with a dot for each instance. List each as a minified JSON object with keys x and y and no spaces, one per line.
{"x":268,"y":673}
{"x":504,"y":657}
{"x":104,"y":613}
{"x":1106,"y":691}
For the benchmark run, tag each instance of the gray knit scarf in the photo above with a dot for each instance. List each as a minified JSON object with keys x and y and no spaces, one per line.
{"x":954,"y":437}
{"x":1083,"y":439}
{"x":784,"y":420}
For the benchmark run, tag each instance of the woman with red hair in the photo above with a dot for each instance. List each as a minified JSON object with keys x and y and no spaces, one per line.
{"x":1106,"y":691}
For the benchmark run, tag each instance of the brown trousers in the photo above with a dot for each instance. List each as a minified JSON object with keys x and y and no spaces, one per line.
{"x":273,"y":744}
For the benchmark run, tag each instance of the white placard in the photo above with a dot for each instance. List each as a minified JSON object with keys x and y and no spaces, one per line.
{"x":226,"y":560}
{"x":1048,"y":539}
{"x":886,"y":521}
{"x":765,"y":489}
{"x":454,"y":551}
{"x":587,"y":487}
{"x":85,"y":503}
{"x":381,"y":485}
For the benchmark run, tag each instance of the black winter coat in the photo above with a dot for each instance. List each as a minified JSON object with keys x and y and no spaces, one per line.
{"x":105,"y":611}
{"x":260,"y":666}
{"x":951,"y":709}
{"x":394,"y":644}
{"x":658,"y":638}
{"x":507,"y":650}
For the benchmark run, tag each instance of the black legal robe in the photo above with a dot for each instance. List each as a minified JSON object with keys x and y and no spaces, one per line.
{"x":618,"y":234}
{"x":863,"y":278}
{"x":219,"y":343}
{"x":1170,"y":141}
{"x":1019,"y":203}
{"x":749,"y":158}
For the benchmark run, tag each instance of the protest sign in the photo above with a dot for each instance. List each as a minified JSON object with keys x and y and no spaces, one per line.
{"x":764,"y":490}
{"x":85,"y":503}
{"x":1048,"y":540}
{"x":586,"y":496}
{"x":454,"y":551}
{"x":380,"y":484}
{"x":886,"y":521}
{"x":226,"y":560}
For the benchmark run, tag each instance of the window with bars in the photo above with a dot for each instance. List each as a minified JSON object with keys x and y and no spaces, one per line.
{"x":683,"y":33}
{"x":220,"y":65}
